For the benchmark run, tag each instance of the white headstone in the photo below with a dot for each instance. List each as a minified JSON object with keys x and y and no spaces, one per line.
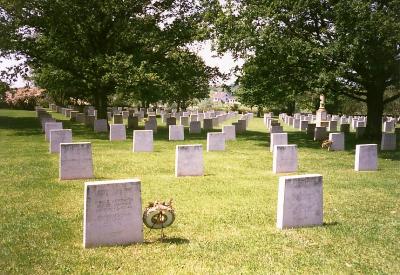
{"x":112,"y":213}
{"x":215,"y":142}
{"x":337,"y":141}
{"x":189,"y":160}
{"x":366,"y":158}
{"x":278,"y":139}
{"x":143,"y":141}
{"x":284,"y":158}
{"x":195,"y":127}
{"x":229,"y":132}
{"x":48,"y":126}
{"x":76,"y":161}
{"x":388,"y":142}
{"x":57,"y":137}
{"x":176,"y":132}
{"x":300,"y":201}
{"x":100,"y":125}
{"x":117,"y":132}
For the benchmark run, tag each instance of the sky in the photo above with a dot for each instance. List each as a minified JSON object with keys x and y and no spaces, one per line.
{"x":225,"y":63}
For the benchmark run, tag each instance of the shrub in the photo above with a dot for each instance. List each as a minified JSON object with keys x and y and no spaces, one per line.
{"x":24,"y":98}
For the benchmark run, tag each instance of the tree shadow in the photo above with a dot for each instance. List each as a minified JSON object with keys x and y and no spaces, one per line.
{"x":24,"y":126}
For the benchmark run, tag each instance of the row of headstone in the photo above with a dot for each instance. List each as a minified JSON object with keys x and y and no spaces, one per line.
{"x":112,"y":209}
{"x":388,"y":140}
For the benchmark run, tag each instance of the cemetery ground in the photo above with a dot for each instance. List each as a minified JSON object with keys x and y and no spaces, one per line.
{"x":226,"y":220}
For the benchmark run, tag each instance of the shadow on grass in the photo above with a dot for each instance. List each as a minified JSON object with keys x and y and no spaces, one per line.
{"x":23,"y":125}
{"x":329,"y":224}
{"x":299,"y":138}
{"x":172,"y":240}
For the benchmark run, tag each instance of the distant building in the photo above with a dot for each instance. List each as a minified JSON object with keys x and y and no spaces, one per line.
{"x":223,"y":97}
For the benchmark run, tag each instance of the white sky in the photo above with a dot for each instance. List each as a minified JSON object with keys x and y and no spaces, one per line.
{"x":225,"y":63}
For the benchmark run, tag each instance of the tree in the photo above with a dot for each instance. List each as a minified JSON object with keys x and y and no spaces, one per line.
{"x":73,"y":47}
{"x":343,"y":47}
{"x":188,"y":78}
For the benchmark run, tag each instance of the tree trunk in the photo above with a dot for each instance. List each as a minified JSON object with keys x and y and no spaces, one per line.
{"x":375,"y":106}
{"x":291,"y":106}
{"x":259,"y":110}
{"x":101,"y":105}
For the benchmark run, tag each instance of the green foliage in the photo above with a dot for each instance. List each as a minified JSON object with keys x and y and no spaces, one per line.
{"x":349,"y":48}
{"x":90,"y":50}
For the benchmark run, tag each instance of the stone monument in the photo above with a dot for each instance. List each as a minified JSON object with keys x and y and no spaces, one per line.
{"x":321,"y":117}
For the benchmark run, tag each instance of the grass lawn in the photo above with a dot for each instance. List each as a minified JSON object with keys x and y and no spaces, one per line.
{"x":225,"y":220}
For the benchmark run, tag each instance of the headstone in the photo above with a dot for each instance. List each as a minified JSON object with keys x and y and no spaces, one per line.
{"x":229,"y":132}
{"x":388,"y":142}
{"x":275,"y":129}
{"x":303,"y":125}
{"x":215,"y":142}
{"x":76,"y":161}
{"x":118,"y":119}
{"x":215,"y":121}
{"x":189,"y":160}
{"x":176,"y":132}
{"x":296,"y":123}
{"x":112,"y":213}
{"x":207,"y":124}
{"x":57,"y":137}
{"x":89,"y":121}
{"x":241,"y":126}
{"x":80,"y":117}
{"x":300,"y":201}
{"x":44,"y":120}
{"x":284,"y":158}
{"x":125,"y":114}
{"x":337,"y":141}
{"x":51,"y":126}
{"x":100,"y":126}
{"x":195,"y":127}
{"x":184,"y":120}
{"x":278,"y":139}
{"x":143,"y":141}
{"x":117,"y":132}
{"x":360,"y":124}
{"x":193,"y":117}
{"x":332,"y":126}
{"x":151,"y":125}
{"x":133,"y":122}
{"x":320,"y":133}
{"x":72,"y":115}
{"x":171,"y":121}
{"x":311,"y":129}
{"x":366,"y":158}
{"x":388,"y":127}
{"x":164,"y":117}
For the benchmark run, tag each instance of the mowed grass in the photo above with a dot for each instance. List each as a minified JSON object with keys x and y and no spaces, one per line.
{"x":225,"y":220}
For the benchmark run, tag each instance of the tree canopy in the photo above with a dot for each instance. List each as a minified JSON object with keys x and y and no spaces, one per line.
{"x":351,"y":48}
{"x":93,"y":49}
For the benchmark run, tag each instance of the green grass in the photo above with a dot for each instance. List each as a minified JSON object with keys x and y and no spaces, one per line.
{"x":225,"y":220}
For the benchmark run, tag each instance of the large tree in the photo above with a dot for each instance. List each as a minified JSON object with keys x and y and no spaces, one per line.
{"x":334,"y":46}
{"x":82,"y":42}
